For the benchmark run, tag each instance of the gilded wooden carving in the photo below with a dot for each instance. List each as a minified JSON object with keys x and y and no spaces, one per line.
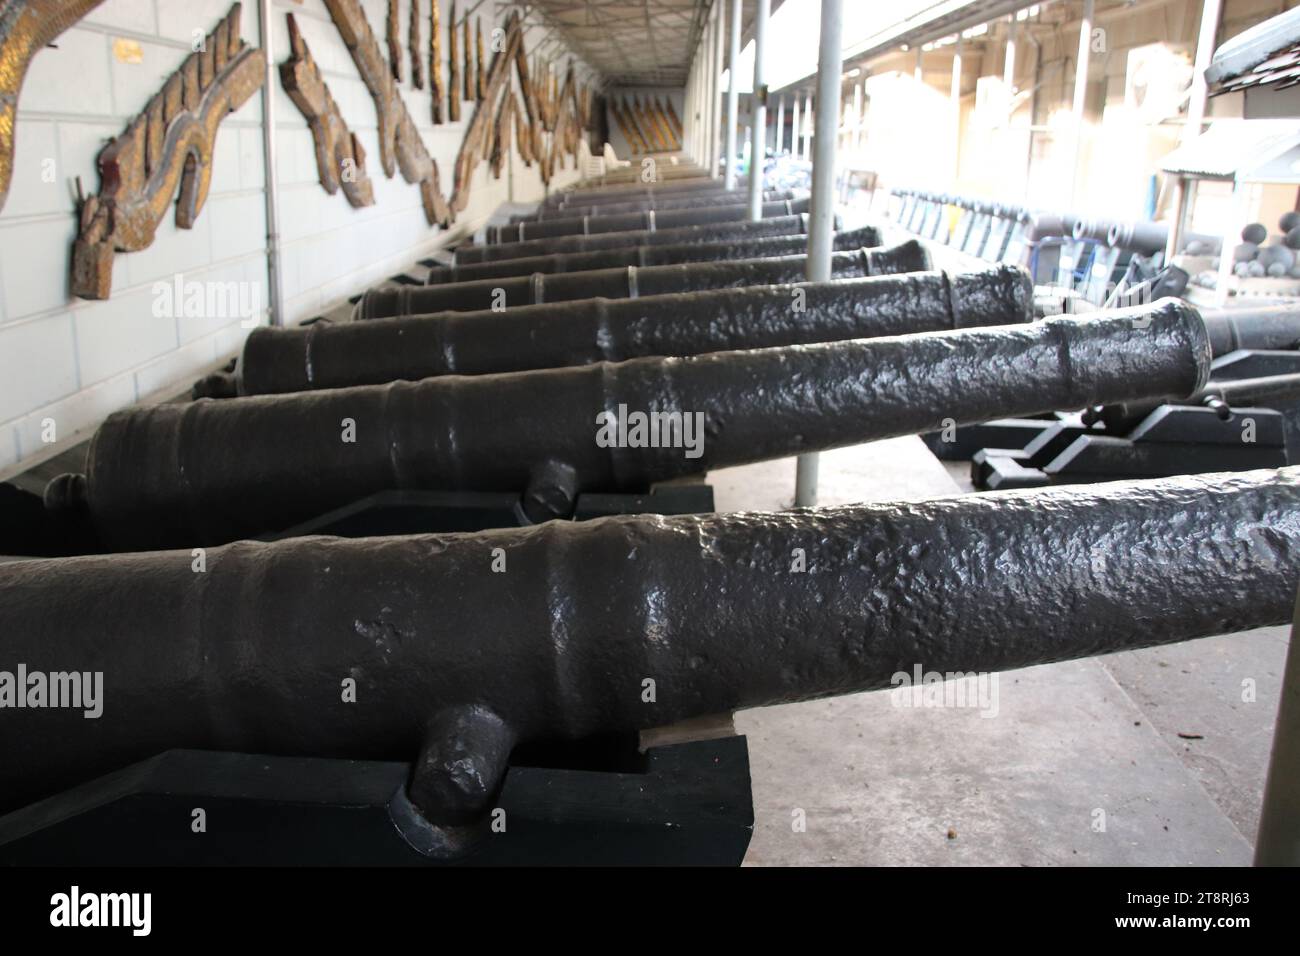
{"x":394,"y":38}
{"x":468,"y":49}
{"x":413,"y":45}
{"x":672,"y":115}
{"x":480,"y":85}
{"x":435,"y":61}
{"x":340,"y":159}
{"x":501,"y":139}
{"x":476,"y":136}
{"x":400,"y":145}
{"x":453,"y":62}
{"x":26,"y":27}
{"x":167,"y":146}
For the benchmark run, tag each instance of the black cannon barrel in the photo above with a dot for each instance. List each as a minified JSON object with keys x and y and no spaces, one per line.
{"x":213,"y":471}
{"x":711,"y":232}
{"x":413,"y":347}
{"x":651,"y":219}
{"x":610,"y":208}
{"x":1258,"y":327}
{"x":622,"y":191}
{"x":449,"y":656}
{"x":630,"y":282}
{"x":759,"y":247}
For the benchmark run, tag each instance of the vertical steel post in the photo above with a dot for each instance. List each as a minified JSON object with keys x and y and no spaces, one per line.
{"x":807,"y":126}
{"x":719,"y":30}
{"x":794,"y":126}
{"x":1080,"y":96}
{"x":1278,"y":840}
{"x":1205,"y":43}
{"x":758,"y":147}
{"x":821,"y":226}
{"x":1009,"y":63}
{"x":733,"y":94}
{"x":954,"y":102}
{"x":780,"y":124}
{"x":275,"y":297}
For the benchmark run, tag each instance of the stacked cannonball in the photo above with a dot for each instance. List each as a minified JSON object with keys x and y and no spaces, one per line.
{"x":1254,"y":259}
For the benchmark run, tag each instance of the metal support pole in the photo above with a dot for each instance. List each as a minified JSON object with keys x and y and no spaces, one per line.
{"x":821,"y":225}
{"x":1210,"y":11}
{"x":858,"y":97}
{"x":719,"y":29}
{"x":780,"y":124}
{"x":794,"y":126}
{"x":758,"y":149}
{"x":1080,"y":95}
{"x":733,"y":95}
{"x":954,"y":100}
{"x":807,"y":126}
{"x":1009,"y":64}
{"x":1278,"y":840}
{"x":275,"y":296}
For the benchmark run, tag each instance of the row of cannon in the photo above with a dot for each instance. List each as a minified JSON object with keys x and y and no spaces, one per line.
{"x":501,"y":380}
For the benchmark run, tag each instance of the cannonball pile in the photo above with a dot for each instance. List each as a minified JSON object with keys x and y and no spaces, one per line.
{"x":1258,"y":256}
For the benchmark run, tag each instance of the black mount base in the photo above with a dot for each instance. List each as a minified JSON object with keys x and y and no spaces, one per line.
{"x":604,"y":804}
{"x":1169,"y":439}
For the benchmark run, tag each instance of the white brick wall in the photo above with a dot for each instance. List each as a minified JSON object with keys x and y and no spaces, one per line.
{"x":72,"y":361}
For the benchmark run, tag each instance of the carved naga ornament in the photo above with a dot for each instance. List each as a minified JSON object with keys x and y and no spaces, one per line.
{"x":340,"y":159}
{"x":26,"y":27}
{"x":400,"y":145}
{"x":168,"y":145}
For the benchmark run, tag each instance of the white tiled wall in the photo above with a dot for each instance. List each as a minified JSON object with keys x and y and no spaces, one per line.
{"x":72,"y":361}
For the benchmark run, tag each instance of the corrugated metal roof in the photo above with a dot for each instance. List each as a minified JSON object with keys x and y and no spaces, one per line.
{"x":1233,"y":146}
{"x":1258,"y":53}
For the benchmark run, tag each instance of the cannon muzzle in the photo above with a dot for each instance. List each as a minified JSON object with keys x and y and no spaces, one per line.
{"x":640,"y":256}
{"x":207,"y":472}
{"x":632,"y":282}
{"x":454,"y":663}
{"x":614,"y":330}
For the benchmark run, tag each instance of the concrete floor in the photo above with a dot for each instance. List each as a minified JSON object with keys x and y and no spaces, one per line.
{"x":1082,"y":764}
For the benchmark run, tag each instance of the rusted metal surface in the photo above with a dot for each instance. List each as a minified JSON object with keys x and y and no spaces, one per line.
{"x":454,"y":663}
{"x":637,"y":253}
{"x":26,"y":27}
{"x":400,"y":144}
{"x":340,"y":158}
{"x":711,"y":232}
{"x":164,"y":476}
{"x":686,"y":310}
{"x":436,"y":88}
{"x":166,"y":148}
{"x":413,"y":45}
{"x":650,"y":219}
